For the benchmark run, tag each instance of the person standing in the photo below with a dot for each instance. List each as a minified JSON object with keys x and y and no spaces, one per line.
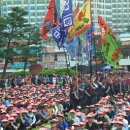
{"x":91,"y":125}
{"x":74,"y":94}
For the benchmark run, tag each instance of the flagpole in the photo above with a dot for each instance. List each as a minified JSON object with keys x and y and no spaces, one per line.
{"x":66,"y":61}
{"x":90,"y":65}
{"x":95,"y":56}
{"x":95,"y":50}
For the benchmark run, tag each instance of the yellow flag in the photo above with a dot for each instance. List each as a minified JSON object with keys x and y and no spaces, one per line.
{"x":82,"y":21}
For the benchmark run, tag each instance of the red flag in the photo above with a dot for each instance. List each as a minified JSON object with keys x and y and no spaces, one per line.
{"x":76,"y":11}
{"x":104,"y":28}
{"x":50,"y":20}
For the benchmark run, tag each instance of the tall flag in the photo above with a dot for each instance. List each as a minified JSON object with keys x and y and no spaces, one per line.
{"x":76,"y":11}
{"x":110,"y":49}
{"x":59,"y":33}
{"x":82,"y":21}
{"x":89,"y":47}
{"x":74,"y":48}
{"x":57,"y":2}
{"x":50,"y":20}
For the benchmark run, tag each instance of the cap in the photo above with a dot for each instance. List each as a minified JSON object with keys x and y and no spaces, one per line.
{"x":90,"y":115}
{"x":78,"y":107}
{"x":76,"y":125}
{"x":3,"y":112}
{"x":92,"y":106}
{"x":14,"y":115}
{"x":101,"y":113}
{"x":54,"y":120}
{"x":60,"y":115}
{"x":5,"y":121}
{"x":34,"y":111}
{"x":43,"y":128}
{"x":11,"y":119}
{"x":72,"y":111}
{"x":81,"y":123}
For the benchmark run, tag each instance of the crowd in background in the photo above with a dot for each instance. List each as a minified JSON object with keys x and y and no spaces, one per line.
{"x":97,"y":102}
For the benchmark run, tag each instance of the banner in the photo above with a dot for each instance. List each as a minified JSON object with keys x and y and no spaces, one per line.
{"x":89,"y":47}
{"x":82,"y":21}
{"x":67,"y":15}
{"x":74,"y":48}
{"x":50,"y":20}
{"x":111,"y":52}
{"x":76,"y":11}
{"x":104,"y":28}
{"x":59,"y":33}
{"x":57,"y":2}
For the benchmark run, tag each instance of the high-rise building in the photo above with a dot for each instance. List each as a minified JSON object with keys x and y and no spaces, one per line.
{"x":116,"y":13}
{"x":36,"y":8}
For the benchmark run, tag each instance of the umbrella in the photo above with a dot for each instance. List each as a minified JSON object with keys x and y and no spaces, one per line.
{"x":106,"y":68}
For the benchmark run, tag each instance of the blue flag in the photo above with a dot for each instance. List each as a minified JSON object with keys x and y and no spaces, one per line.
{"x":67,"y":15}
{"x":74,"y":48}
{"x":59,"y":33}
{"x":90,"y":49}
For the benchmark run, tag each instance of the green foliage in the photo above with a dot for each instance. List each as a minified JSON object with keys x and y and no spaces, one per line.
{"x":47,"y":72}
{"x":11,"y":31}
{"x":22,"y":73}
{"x":31,"y":36}
{"x":58,"y":72}
{"x":65,"y":71}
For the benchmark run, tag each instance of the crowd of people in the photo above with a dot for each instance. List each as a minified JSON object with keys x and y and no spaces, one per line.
{"x":97,"y":102}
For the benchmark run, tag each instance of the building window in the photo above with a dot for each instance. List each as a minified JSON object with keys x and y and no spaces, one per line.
{"x":25,"y":1}
{"x":9,"y":2}
{"x":17,"y":2}
{"x":40,"y":14}
{"x":26,"y":7}
{"x":32,"y":2}
{"x":32,"y":7}
{"x":40,"y":20}
{"x":40,"y":1}
{"x":9,"y":8}
{"x":40,"y":7}
{"x":32,"y":13}
{"x":55,"y":57}
{"x":32,"y":19}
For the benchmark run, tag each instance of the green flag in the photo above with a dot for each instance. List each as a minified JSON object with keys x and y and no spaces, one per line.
{"x":110,"y":49}
{"x":111,"y":52}
{"x":57,"y":2}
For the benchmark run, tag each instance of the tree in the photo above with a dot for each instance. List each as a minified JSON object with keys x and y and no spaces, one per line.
{"x":31,"y":36}
{"x":11,"y":31}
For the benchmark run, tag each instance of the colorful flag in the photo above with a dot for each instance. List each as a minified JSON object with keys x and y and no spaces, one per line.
{"x":67,"y":15}
{"x":50,"y":20}
{"x":57,"y":2}
{"x":82,"y":21}
{"x":59,"y":33}
{"x":89,"y":47}
{"x":110,"y":49}
{"x":74,"y":48}
{"x":76,"y":11}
